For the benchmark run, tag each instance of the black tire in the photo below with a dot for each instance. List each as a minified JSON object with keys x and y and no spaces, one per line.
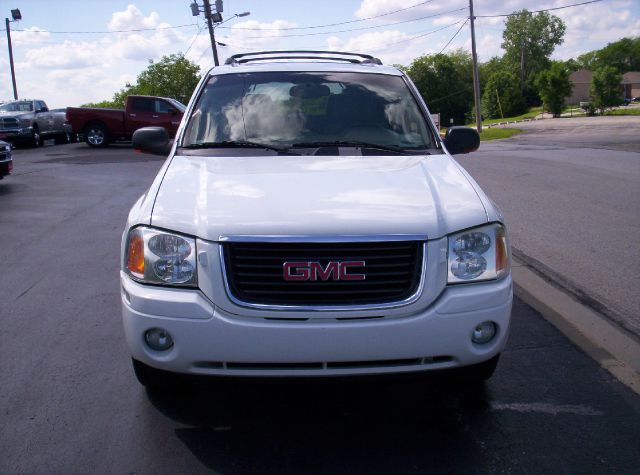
{"x":36,"y":138}
{"x":62,"y":139}
{"x":479,"y":372}
{"x":156,"y":379}
{"x":96,"y":135}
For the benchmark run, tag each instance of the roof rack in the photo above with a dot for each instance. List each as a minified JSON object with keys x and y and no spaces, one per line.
{"x":354,"y":58}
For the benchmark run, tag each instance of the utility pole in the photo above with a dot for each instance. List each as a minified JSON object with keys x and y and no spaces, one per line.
{"x":207,"y":14}
{"x":476,"y":79}
{"x":13,"y":73}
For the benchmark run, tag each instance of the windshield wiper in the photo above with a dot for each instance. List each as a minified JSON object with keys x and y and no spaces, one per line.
{"x":348,"y":143}
{"x":233,"y":144}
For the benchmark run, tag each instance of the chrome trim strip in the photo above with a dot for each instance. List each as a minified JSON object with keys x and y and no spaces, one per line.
{"x":327,"y":308}
{"x":321,"y":238}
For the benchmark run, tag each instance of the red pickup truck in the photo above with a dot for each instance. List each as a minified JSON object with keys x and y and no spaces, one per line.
{"x":102,"y":126}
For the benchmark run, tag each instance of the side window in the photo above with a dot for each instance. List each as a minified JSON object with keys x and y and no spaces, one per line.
{"x":163,"y":106}
{"x":143,"y":104}
{"x":40,"y":105}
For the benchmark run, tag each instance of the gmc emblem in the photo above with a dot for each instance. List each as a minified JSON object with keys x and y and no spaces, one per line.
{"x":335,"y":270}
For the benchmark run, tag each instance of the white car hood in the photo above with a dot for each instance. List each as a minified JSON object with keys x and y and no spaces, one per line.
{"x":210,"y":197}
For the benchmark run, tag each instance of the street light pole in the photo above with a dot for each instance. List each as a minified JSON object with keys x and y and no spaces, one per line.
{"x":476,"y":78}
{"x":13,"y":73}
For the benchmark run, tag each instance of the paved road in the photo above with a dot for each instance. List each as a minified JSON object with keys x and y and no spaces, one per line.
{"x":69,"y":402}
{"x":570,"y":189}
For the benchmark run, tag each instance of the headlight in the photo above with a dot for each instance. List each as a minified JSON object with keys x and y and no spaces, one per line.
{"x":158,"y":257}
{"x":478,"y":254}
{"x":24,"y":122}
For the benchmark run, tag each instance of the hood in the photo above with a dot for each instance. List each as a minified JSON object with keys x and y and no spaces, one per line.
{"x":15,"y":114}
{"x":319,"y":196}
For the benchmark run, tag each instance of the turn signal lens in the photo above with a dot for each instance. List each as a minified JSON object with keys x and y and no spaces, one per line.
{"x":502,"y":251}
{"x":135,"y":254}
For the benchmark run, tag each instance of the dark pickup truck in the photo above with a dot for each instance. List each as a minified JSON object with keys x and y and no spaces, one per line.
{"x":99,"y":126}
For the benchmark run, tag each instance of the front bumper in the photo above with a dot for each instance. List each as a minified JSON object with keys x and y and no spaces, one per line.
{"x":5,"y":167}
{"x":25,"y":133}
{"x":210,"y":341}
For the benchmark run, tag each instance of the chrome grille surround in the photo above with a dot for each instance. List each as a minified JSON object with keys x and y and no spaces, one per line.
{"x":346,"y":239}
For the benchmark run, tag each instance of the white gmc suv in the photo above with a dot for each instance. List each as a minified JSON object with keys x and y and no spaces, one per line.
{"x":310,"y":221}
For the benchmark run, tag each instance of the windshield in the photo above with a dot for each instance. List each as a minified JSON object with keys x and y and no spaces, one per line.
{"x":288,"y":109}
{"x":22,"y":106}
{"x":178,"y":105}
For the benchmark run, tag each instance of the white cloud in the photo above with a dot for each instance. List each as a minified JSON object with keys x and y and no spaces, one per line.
{"x":30,"y":36}
{"x":132,"y":18}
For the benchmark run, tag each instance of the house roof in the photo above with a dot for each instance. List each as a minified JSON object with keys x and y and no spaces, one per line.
{"x":581,"y":76}
{"x":632,"y":77}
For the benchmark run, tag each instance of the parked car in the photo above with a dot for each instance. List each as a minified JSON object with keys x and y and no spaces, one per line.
{"x":100,"y":126}
{"x":29,"y":121}
{"x":310,"y":221}
{"x":6,"y":163}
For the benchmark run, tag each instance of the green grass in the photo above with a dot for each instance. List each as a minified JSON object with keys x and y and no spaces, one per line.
{"x":496,"y":133}
{"x":634,"y":111}
{"x":534,"y":111}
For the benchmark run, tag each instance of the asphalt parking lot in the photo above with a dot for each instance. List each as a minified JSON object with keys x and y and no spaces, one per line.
{"x":69,"y":402}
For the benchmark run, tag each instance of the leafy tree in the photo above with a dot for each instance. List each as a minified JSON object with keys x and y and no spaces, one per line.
{"x":623,"y":55}
{"x":103,"y":105}
{"x":445,"y":83}
{"x":553,"y":86}
{"x":605,"y":88}
{"x":173,"y":76}
{"x":501,"y":96}
{"x":529,"y":40}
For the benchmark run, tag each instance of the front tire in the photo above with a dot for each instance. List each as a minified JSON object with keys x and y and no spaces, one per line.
{"x":478,"y":373}
{"x":96,"y":135}
{"x":62,"y":139}
{"x":155,"y":379}
{"x":36,"y":139}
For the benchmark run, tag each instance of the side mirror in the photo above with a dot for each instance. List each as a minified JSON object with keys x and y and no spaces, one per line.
{"x":173,"y":111}
{"x":43,"y":109}
{"x":461,"y":140}
{"x":154,"y":140}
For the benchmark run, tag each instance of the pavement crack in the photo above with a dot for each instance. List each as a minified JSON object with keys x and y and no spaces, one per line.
{"x":30,"y":287}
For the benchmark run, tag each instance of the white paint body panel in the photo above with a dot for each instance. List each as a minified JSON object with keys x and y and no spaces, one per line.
{"x":212,"y":196}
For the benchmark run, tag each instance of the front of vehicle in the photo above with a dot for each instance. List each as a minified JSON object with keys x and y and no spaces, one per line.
{"x":16,"y":121}
{"x":309,"y":222}
{"x":6,"y":162}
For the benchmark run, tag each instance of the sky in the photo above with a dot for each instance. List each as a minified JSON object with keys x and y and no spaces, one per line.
{"x":70,"y":52}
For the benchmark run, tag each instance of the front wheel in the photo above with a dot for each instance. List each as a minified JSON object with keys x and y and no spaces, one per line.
{"x":96,"y":135}
{"x":36,"y":139}
{"x":478,"y":373}
{"x":156,"y":379}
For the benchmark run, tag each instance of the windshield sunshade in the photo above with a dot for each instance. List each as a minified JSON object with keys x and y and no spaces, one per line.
{"x":282,"y":109}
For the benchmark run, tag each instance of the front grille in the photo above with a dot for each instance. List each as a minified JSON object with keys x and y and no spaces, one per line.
{"x":8,"y":123}
{"x":254,"y":273}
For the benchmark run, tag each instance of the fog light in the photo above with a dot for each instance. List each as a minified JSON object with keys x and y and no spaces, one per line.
{"x":484,"y":333}
{"x":158,"y":339}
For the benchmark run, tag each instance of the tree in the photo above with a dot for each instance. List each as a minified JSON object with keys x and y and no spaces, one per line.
{"x":605,"y":88}
{"x":529,"y":40}
{"x":623,"y":55}
{"x":173,"y":76}
{"x":444,"y":81}
{"x":501,"y":96}
{"x":554,"y":86}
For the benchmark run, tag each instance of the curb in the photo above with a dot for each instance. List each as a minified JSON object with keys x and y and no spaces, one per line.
{"x":613,"y":348}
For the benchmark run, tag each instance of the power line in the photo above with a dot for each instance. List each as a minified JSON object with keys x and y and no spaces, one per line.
{"x":539,"y":11}
{"x":453,"y":37}
{"x":109,"y":31}
{"x":334,"y":24}
{"x":421,"y":35}
{"x":193,"y":41}
{"x":361,"y":28}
